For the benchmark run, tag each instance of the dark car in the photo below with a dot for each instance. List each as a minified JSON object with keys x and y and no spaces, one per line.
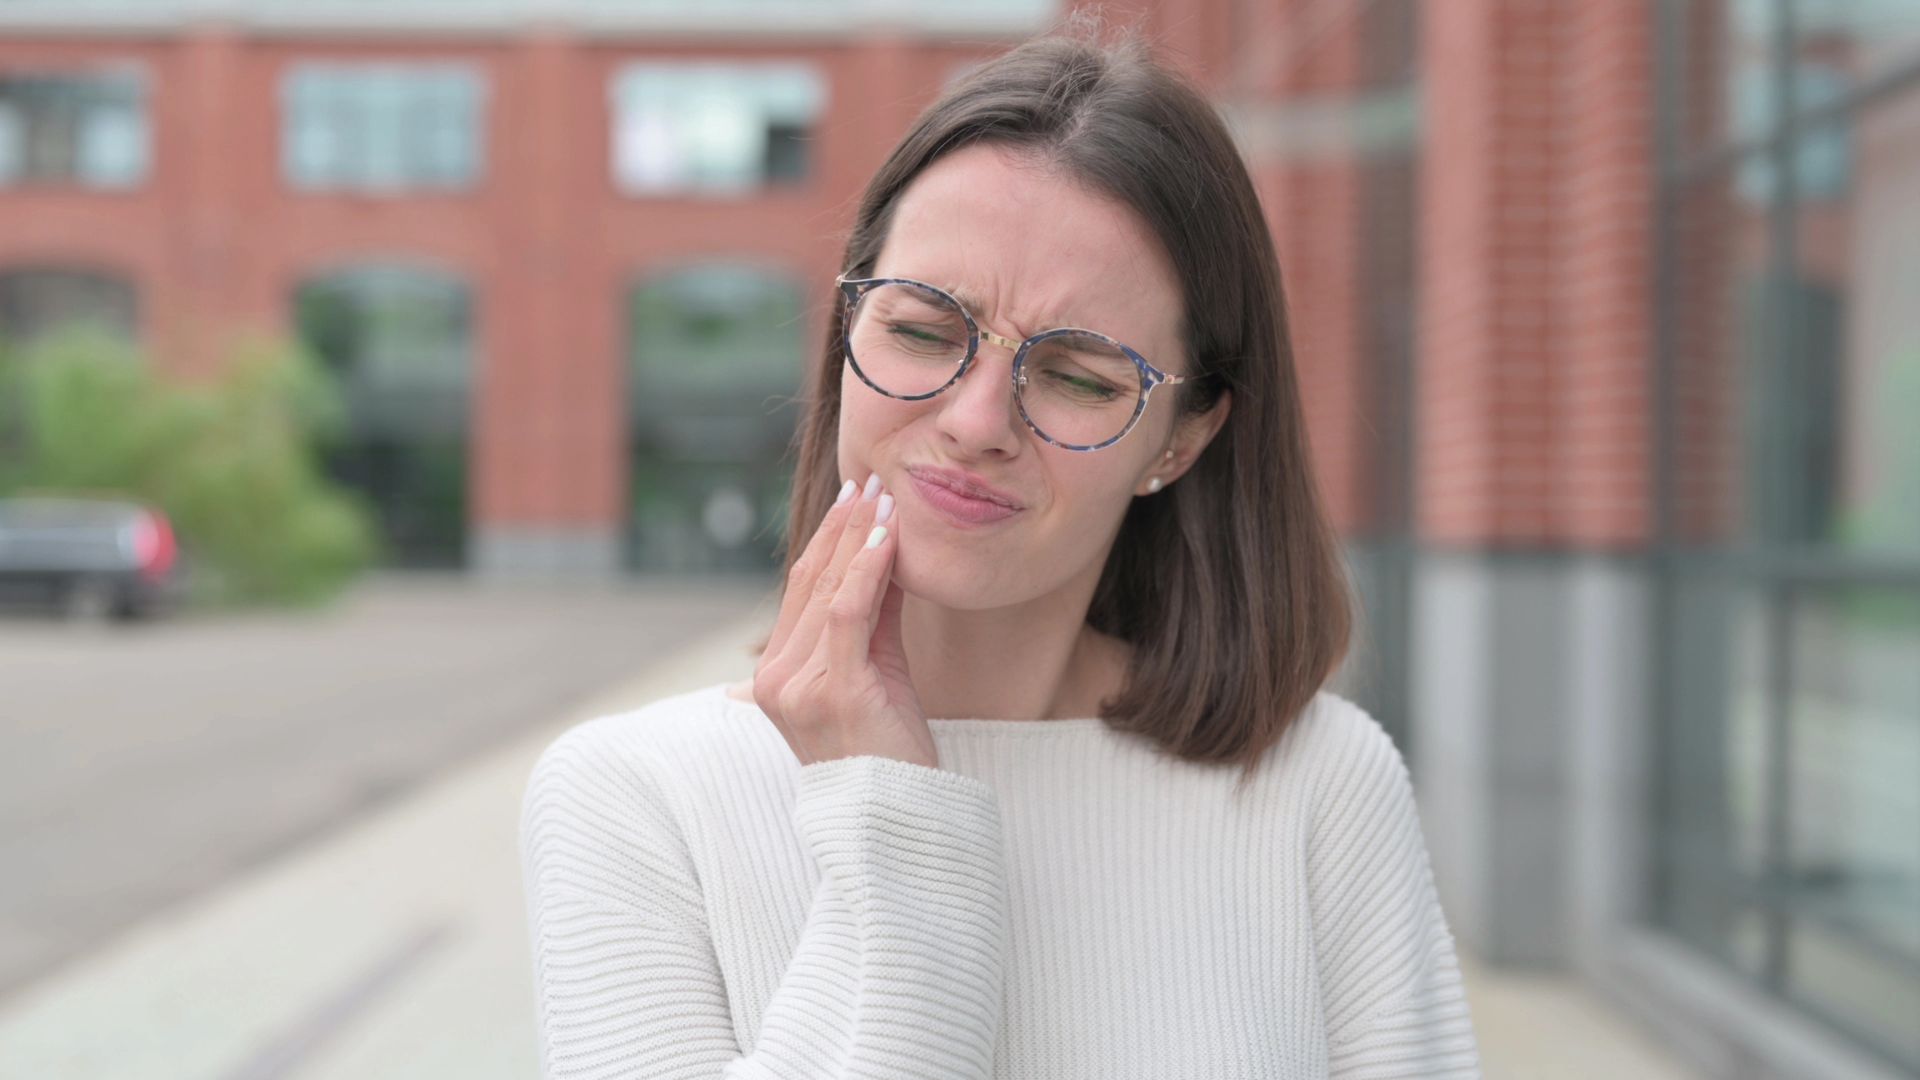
{"x":93,"y":557}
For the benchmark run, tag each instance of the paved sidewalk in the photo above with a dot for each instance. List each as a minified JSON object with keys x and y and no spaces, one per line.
{"x":398,"y":949}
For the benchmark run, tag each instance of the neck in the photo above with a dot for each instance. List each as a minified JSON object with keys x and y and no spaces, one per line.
{"x":1033,"y":661}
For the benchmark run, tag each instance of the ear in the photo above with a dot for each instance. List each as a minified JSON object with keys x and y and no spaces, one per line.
{"x":1197,"y":433}
{"x":1189,"y":439}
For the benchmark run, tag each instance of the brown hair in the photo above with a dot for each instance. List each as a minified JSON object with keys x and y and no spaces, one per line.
{"x":1229,"y":584}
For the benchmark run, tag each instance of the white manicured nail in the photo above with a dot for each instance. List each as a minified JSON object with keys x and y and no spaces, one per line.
{"x":886,"y":507}
{"x":878,"y":534}
{"x":846,"y":492}
{"x":873,"y":487}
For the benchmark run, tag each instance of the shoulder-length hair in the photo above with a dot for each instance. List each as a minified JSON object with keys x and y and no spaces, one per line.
{"x":1229,"y":584}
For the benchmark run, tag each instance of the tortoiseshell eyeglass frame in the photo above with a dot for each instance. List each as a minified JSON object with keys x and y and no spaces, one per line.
{"x":1150,"y":376}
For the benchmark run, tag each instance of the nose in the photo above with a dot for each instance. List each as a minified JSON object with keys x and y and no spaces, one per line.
{"x":978,"y":412}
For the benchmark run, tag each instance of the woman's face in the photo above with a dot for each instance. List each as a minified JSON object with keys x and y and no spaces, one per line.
{"x":1032,"y":252}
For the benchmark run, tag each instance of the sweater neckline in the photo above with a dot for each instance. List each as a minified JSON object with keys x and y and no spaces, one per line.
{"x":955,"y":723}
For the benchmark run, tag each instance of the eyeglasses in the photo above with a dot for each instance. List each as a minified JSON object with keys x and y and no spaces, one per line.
{"x":1077,"y":389}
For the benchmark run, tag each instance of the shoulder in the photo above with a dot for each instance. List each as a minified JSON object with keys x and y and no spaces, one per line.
{"x":1350,"y":763}
{"x":645,"y":746}
{"x":605,"y":815}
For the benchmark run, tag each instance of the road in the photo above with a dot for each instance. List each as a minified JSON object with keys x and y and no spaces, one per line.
{"x":143,"y":766}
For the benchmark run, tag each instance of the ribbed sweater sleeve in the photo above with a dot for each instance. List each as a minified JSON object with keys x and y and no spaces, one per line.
{"x":899,"y":966}
{"x":1394,"y":1002}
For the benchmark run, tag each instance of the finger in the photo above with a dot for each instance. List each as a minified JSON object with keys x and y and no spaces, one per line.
{"x":886,"y":651}
{"x":891,"y":598}
{"x":853,"y":610}
{"x":801,"y":575}
{"x":812,"y":613}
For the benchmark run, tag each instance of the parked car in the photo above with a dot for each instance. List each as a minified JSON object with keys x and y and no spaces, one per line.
{"x":94,"y":557}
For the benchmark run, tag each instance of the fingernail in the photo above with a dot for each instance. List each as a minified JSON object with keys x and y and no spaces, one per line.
{"x":878,"y":534}
{"x":873,"y":487}
{"x":886,"y":507}
{"x":846,"y":492}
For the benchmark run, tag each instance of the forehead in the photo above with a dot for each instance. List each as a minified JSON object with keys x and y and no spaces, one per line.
{"x":1024,"y":248}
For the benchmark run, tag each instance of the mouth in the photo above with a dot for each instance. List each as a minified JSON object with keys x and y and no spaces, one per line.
{"x":963,"y":484}
{"x":960,"y":502}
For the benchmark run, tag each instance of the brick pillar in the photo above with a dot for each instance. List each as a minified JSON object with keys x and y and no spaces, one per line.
{"x":1533,"y":365}
{"x":190,"y":311}
{"x":549,"y":463}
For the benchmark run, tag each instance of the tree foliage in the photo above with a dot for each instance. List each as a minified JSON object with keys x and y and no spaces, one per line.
{"x":233,"y":461}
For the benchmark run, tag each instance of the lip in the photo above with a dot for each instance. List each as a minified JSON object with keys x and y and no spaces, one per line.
{"x":964,"y":483}
{"x":961,"y":498}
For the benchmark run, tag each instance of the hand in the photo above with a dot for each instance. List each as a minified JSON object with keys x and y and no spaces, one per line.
{"x":833,"y":677}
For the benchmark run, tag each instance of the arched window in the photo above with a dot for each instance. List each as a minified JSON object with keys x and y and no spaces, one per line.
{"x":715,"y":359}
{"x":400,"y":340}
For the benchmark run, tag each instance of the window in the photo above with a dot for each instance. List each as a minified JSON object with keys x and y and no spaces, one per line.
{"x":86,"y":129}
{"x":382,"y":127}
{"x":715,"y":356}
{"x":1790,"y":730}
{"x":711,"y":128}
{"x":400,"y":341}
{"x":39,"y":300}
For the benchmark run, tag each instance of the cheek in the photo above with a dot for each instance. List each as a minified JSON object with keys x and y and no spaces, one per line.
{"x":868,"y":421}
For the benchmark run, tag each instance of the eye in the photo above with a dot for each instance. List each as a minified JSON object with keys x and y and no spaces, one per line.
{"x":1088,"y":386}
{"x":916,"y":334}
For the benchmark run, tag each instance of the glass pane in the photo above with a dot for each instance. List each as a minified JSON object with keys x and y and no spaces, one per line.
{"x":400,"y":340}
{"x":716,"y":355}
{"x":1860,"y":39}
{"x":382,"y":127}
{"x":1712,"y":832}
{"x":34,"y":302}
{"x":714,"y":334}
{"x":87,"y":128}
{"x":712,"y":128}
{"x":1820,"y":156}
{"x":1854,"y":794}
{"x":113,"y":145}
{"x":1726,"y":347}
{"x":1860,"y":255}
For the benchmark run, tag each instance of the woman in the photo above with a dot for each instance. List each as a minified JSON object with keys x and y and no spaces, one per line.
{"x":1056,"y":564}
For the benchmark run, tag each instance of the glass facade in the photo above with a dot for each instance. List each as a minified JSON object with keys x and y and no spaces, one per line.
{"x":382,"y":127}
{"x":1789,"y":735}
{"x":86,"y":129}
{"x":694,"y":128}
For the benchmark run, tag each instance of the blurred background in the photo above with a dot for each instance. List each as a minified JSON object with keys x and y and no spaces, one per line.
{"x":386,"y":386}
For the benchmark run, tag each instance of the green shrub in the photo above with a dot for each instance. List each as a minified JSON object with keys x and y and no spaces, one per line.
{"x":231,"y":461}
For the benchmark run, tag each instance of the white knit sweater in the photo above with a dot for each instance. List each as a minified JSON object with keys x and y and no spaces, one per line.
{"x":1056,"y":900}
